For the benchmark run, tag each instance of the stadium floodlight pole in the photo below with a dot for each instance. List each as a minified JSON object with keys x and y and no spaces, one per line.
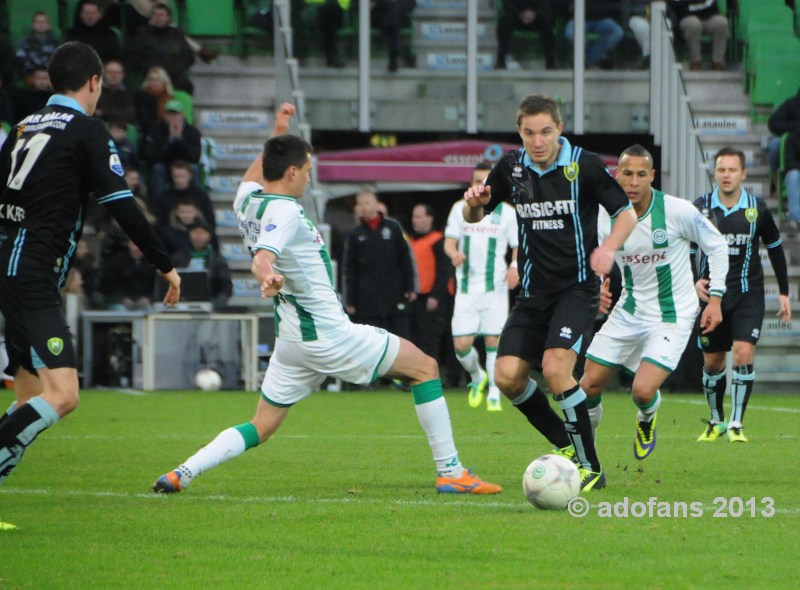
{"x":578,"y":67}
{"x":363,"y":66}
{"x":472,"y":66}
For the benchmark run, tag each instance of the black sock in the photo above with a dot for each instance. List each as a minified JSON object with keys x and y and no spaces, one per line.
{"x":714,"y":388}
{"x":741,"y":388}
{"x":578,"y":426}
{"x":538,"y":411}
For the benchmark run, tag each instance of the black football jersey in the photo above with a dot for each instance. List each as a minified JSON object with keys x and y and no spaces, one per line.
{"x":51,"y":163}
{"x":556,"y":213}
{"x":742,"y":226}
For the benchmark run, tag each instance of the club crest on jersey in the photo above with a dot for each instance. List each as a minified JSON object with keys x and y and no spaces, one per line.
{"x":115,"y":165}
{"x":55,"y":346}
{"x":571,"y":172}
{"x":751,"y":214}
{"x":659,"y":236}
{"x":20,"y":131}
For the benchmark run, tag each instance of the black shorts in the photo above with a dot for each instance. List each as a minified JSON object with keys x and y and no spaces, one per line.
{"x":742,"y":316}
{"x":558,"y":320}
{"x":37,"y":334}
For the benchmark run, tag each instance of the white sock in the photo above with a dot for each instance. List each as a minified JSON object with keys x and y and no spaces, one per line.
{"x":646,"y":414}
{"x":494,"y":393}
{"x":228,"y":444}
{"x":434,"y":418}
{"x":595,"y":414}
{"x":491,"y":357}
{"x":471,"y":363}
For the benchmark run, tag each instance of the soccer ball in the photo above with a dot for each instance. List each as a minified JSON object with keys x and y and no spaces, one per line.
{"x":208,"y":380}
{"x":551,"y":481}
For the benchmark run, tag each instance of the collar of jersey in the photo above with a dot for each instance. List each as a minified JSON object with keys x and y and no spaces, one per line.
{"x":650,"y":206}
{"x":562,"y":160}
{"x":740,"y":204}
{"x":66,"y":101}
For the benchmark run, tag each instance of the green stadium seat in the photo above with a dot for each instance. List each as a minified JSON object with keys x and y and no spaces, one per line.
{"x":214,"y":18}
{"x":774,"y":80}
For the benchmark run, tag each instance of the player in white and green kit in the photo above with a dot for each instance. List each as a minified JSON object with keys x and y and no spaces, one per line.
{"x":648,"y":329}
{"x":478,"y":251}
{"x":314,"y":337}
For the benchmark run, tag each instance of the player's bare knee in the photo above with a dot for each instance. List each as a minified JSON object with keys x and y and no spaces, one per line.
{"x":427,"y":370}
{"x":642,"y":394}
{"x":508,"y":383}
{"x":590,"y":386}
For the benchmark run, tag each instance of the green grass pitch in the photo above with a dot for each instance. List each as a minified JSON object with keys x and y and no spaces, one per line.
{"x":343,"y":497}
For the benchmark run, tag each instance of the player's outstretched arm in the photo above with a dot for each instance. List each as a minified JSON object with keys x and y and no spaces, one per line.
{"x":271,"y":282}
{"x":476,"y":198}
{"x":602,"y":258}
{"x":283,"y":117}
{"x":174,"y":290}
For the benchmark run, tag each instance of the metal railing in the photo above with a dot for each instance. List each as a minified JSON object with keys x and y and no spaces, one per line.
{"x":684,"y":171}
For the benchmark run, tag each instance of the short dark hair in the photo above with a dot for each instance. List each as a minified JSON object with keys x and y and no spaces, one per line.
{"x":637,"y":151}
{"x":281,"y":152}
{"x":162,"y":6}
{"x":428,"y":208}
{"x":73,"y":64}
{"x":482,"y":166}
{"x":730,"y":151}
{"x":533,"y":104}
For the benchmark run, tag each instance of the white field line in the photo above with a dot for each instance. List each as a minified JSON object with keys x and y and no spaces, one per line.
{"x":443,"y":501}
{"x":698,"y":402}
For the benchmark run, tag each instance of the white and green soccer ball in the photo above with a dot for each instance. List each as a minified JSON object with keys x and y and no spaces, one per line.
{"x":551,"y":481}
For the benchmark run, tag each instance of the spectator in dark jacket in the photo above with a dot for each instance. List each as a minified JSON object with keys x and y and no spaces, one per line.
{"x":202,"y":256}
{"x":379,"y":275}
{"x":181,"y":189}
{"x":35,"y":49}
{"x":694,"y":18}
{"x":534,"y":15}
{"x":170,"y":140}
{"x":785,"y":119}
{"x":127,"y":280}
{"x":793,"y":179}
{"x":161,"y":44}
{"x":91,"y":29}
{"x":602,"y":19}
{"x":34,"y":96}
{"x":116,"y":103}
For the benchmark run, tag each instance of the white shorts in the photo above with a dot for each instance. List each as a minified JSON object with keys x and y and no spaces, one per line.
{"x":625,"y":340}
{"x":480,"y":314}
{"x":359,"y":355}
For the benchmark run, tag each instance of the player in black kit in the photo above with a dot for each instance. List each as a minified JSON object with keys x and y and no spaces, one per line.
{"x":743,"y":219}
{"x":556,"y":189}
{"x":51,"y":163}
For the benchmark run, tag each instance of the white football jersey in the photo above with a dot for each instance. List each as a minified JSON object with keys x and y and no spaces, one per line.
{"x":657,"y":277}
{"x":484,"y":244}
{"x":307,"y":307}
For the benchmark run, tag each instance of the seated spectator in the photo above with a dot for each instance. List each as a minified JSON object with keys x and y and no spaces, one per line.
{"x":90,"y":28}
{"x":170,"y":140}
{"x":82,"y":277}
{"x":175,"y":233}
{"x":116,"y":103}
{"x":183,"y":188}
{"x":35,"y":49}
{"x":784,"y":119}
{"x":601,"y":20}
{"x":531,"y":15}
{"x":136,"y":18}
{"x":390,"y":17}
{"x":125,"y":149}
{"x":128,"y":280}
{"x":636,"y":14}
{"x":161,"y":44}
{"x":792,"y":162}
{"x":695,"y":18}
{"x":7,"y":117}
{"x":153,"y":97}
{"x":34,"y":96}
{"x":318,"y":19}
{"x":201,"y":256}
